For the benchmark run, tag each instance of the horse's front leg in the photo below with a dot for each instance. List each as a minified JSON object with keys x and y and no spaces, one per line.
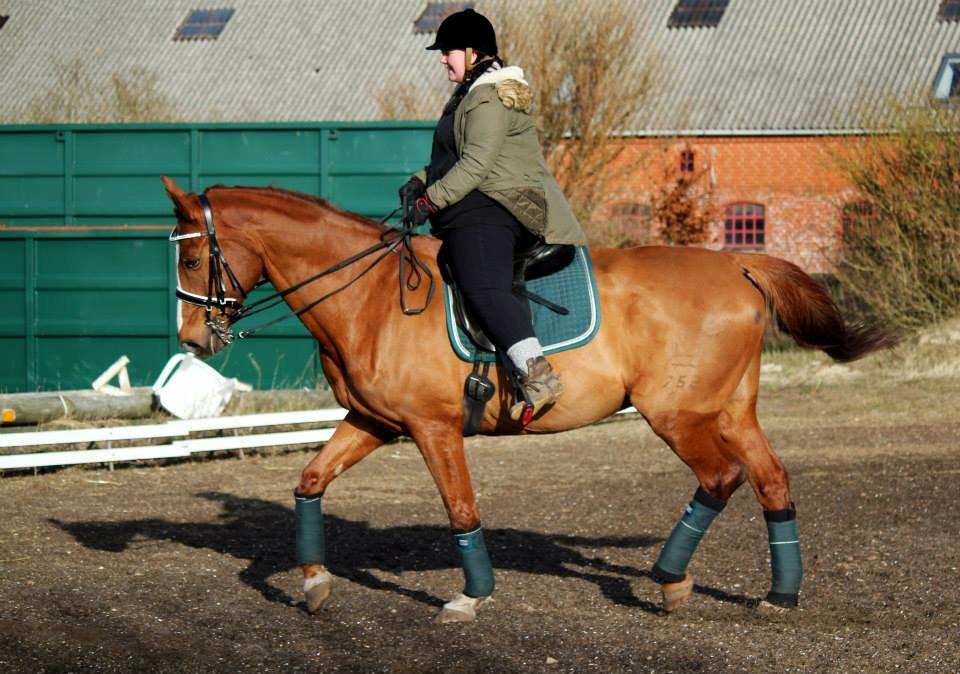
{"x":441,"y":444}
{"x":355,"y":437}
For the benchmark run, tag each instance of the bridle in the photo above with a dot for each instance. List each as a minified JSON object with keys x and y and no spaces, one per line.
{"x":231,"y":309}
{"x":216,"y":288}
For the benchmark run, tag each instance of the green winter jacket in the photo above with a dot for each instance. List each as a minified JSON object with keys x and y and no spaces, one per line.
{"x":500,"y":155}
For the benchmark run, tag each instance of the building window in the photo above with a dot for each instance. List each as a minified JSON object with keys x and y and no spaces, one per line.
{"x":950,"y":10}
{"x":435,"y":13}
{"x":686,"y":161}
{"x":630,"y":224}
{"x":744,"y":226}
{"x":697,"y":13}
{"x":203,"y":24}
{"x":857,"y":220}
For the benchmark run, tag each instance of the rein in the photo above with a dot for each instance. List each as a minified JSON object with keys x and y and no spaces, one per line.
{"x":222,"y":323}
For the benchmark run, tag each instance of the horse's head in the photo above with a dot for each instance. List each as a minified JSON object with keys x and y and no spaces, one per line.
{"x":217,"y":265}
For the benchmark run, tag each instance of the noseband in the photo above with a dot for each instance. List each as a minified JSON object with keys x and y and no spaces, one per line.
{"x":217,"y":265}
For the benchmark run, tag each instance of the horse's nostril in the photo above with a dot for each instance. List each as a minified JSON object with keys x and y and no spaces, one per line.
{"x":192,"y":347}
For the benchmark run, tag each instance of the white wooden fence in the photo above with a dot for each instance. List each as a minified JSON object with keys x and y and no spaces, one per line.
{"x":181,"y":429}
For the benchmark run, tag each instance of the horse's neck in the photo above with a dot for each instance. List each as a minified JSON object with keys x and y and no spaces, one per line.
{"x":297,"y":248}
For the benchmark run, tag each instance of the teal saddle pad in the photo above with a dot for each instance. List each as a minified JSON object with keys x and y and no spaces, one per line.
{"x":573,"y":287}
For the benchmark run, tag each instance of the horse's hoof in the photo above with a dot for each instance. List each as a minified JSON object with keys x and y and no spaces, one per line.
{"x":461,"y":609}
{"x":317,"y":589}
{"x":768,"y":609}
{"x":675,"y":594}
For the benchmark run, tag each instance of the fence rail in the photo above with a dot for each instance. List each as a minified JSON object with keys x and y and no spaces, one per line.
{"x":175,"y":449}
{"x":180,"y":428}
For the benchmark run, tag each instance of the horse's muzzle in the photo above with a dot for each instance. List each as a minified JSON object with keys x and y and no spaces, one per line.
{"x":196,"y":349}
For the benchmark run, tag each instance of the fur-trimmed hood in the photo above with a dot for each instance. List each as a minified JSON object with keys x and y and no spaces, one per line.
{"x":512,"y":89}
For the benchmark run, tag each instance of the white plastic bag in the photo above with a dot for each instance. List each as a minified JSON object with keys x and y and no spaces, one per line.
{"x":193,"y":390}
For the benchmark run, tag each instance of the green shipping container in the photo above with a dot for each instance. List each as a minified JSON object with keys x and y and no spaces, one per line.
{"x":86,"y":272}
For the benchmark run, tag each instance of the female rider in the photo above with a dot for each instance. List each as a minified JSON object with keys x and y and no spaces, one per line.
{"x":488,"y":192}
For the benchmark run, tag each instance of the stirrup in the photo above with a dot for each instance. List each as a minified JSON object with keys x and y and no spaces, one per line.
{"x":547,"y":392}
{"x":522,"y":409}
{"x":525,"y":414}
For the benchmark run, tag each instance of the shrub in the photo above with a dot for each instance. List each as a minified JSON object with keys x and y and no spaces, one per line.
{"x":684,"y":209}
{"x":900,"y":253}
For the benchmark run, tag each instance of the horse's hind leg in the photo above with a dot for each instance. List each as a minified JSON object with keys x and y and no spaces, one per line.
{"x":724,"y":449}
{"x":441,"y":444}
{"x":696,"y":440}
{"x":770,"y":483}
{"x":354,"y":439}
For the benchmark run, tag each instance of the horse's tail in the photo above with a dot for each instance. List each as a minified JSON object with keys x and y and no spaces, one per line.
{"x":806,"y":311}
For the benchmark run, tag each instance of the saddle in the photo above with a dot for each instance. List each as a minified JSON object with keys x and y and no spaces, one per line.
{"x":539,"y":260}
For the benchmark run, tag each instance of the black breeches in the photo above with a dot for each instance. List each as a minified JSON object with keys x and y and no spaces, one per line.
{"x":481,"y":259}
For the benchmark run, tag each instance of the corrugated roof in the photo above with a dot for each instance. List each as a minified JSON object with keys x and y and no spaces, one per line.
{"x":771,"y":66}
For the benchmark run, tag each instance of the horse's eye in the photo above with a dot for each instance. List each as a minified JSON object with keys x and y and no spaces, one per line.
{"x":191,"y":264}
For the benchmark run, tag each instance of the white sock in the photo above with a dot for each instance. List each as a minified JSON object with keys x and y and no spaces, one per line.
{"x":524,"y":350}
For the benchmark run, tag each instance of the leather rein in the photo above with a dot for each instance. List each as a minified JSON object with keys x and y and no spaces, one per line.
{"x":231,"y":309}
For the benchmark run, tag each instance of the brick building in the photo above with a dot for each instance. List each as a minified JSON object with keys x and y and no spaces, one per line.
{"x":783,"y":195}
{"x":755,"y":95}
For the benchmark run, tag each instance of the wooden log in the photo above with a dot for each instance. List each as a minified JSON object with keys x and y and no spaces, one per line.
{"x":17,"y":409}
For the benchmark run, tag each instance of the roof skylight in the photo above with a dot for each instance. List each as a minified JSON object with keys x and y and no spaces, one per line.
{"x":435,"y":13}
{"x":697,"y":13}
{"x":949,"y":10}
{"x":203,"y":24}
{"x":946,"y":85}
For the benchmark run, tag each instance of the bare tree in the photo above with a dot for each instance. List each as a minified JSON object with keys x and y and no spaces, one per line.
{"x":79,"y":97}
{"x":590,"y":79}
{"x":406,"y":100}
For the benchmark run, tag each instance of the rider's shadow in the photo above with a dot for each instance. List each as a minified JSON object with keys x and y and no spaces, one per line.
{"x":263,"y":533}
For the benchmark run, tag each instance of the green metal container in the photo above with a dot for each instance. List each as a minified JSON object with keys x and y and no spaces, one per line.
{"x":86,"y":272}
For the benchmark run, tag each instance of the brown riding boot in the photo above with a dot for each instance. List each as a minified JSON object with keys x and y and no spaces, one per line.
{"x":542,"y":386}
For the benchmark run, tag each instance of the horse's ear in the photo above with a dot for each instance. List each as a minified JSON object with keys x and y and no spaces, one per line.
{"x":181,"y":200}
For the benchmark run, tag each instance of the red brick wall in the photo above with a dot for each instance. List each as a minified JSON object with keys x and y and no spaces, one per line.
{"x":796,"y":179}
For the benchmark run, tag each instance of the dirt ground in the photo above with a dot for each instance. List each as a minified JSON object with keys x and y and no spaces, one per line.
{"x":190,"y":567}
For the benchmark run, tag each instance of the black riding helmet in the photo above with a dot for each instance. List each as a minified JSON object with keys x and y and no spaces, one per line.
{"x":466,"y":29}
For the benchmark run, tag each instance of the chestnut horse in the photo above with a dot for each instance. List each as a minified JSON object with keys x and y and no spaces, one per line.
{"x":680,"y":339}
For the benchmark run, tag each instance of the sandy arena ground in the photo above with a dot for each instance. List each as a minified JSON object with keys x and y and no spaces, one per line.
{"x":190,"y":567}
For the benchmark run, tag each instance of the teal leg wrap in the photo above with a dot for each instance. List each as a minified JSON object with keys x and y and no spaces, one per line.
{"x":310,"y":543}
{"x":671,"y":567}
{"x":785,"y":563}
{"x":475,"y":562}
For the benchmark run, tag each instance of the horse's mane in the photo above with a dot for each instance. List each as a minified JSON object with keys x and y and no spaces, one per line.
{"x":307,"y":199}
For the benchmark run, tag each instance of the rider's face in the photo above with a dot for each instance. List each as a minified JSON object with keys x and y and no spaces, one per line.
{"x":455,"y":61}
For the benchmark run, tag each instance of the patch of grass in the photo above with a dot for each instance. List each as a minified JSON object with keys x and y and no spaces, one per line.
{"x":918,"y":382}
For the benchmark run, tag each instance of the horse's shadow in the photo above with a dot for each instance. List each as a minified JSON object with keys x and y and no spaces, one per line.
{"x":263,"y":533}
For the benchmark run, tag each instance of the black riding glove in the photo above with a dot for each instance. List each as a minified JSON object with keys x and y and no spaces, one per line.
{"x":410,"y":191}
{"x":418,"y":212}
